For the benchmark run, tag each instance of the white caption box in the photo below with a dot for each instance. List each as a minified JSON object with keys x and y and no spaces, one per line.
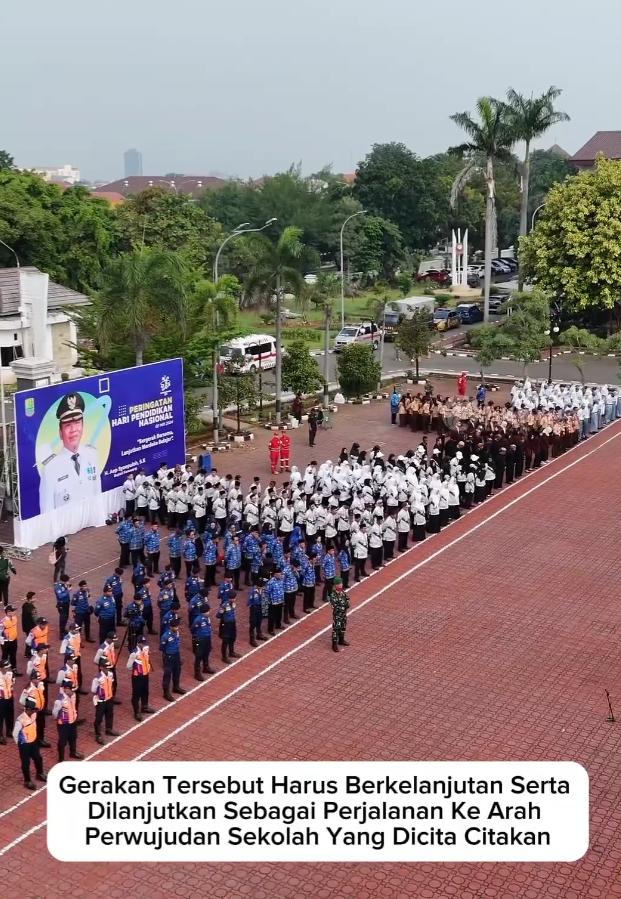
{"x":318,"y":811}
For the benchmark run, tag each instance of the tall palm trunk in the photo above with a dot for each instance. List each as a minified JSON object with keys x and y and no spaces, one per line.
{"x":139,"y":349}
{"x":278,"y":349}
{"x":524,"y":205}
{"x":489,"y":234}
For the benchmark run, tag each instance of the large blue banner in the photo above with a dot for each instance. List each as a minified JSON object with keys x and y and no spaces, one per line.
{"x":79,"y":439}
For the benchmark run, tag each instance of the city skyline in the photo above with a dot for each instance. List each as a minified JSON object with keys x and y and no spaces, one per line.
{"x":249,"y":91}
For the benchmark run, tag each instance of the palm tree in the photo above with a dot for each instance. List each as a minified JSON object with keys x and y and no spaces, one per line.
{"x":143,"y":291}
{"x":276,"y":269}
{"x":530,"y":117}
{"x":490,"y":141}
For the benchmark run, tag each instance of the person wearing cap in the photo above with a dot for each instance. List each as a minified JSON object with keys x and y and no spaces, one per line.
{"x":115,"y":582}
{"x":8,"y":637}
{"x":227,"y":630}
{"x":38,"y":662}
{"x":71,"y":474}
{"x":170,"y":645}
{"x":255,"y":603}
{"x":6,"y":568}
{"x":139,"y":663}
{"x":73,"y":644}
{"x":102,"y":689}
{"x":201,"y":640}
{"x":82,"y":609}
{"x":35,"y":691}
{"x":29,"y":618}
{"x":135,"y":622}
{"x":339,"y":601}
{"x":105,"y":612}
{"x":7,"y":707}
{"x":70,"y":672}
{"x":109,"y":651}
{"x":25,"y":736}
{"x":62,"y":593}
{"x":66,"y":714}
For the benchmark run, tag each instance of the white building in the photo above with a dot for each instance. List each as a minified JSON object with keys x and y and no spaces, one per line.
{"x":67,"y":172}
{"x":27,"y":316}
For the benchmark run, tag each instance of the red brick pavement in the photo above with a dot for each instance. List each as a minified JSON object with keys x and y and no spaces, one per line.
{"x":498,"y":647}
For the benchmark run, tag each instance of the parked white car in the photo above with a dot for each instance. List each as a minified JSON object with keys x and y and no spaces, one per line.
{"x":365,"y":332}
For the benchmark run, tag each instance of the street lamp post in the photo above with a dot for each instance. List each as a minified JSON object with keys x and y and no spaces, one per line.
{"x":5,"y":448}
{"x":538,"y":209}
{"x":237,"y":232}
{"x":348,"y":219}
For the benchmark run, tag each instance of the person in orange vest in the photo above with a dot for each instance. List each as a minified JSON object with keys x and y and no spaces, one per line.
{"x":69,"y":671}
{"x":66,"y":715}
{"x":35,"y":691}
{"x":101,"y":688}
{"x":462,"y":383}
{"x":7,"y":707}
{"x":25,"y":736}
{"x":40,"y":633}
{"x":108,"y":650}
{"x":139,"y":663}
{"x":73,"y":643}
{"x":274,"y":450}
{"x":8,"y":637}
{"x":285,"y":451}
{"x":38,"y":662}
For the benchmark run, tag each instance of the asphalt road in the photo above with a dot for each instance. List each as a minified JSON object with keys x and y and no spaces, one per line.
{"x":599,"y":369}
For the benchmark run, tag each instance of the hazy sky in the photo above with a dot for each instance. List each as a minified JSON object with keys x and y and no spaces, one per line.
{"x":245,"y":87}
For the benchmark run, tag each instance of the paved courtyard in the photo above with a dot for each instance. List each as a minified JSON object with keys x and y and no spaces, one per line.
{"x":492,"y":640}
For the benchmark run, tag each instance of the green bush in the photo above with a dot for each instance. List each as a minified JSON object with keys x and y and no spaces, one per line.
{"x":358,"y":371}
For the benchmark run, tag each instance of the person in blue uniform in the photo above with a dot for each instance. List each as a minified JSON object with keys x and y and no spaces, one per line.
{"x":255,"y":612}
{"x":124,"y":533}
{"x":329,"y":572}
{"x":144,"y":594}
{"x":291,"y":586}
{"x":152,"y":542}
{"x":170,"y":645}
{"x":344,"y":560}
{"x":194,"y":606}
{"x":275,"y":590}
{"x":175,"y":545}
{"x":308,"y":582}
{"x":169,"y":616}
{"x":105,"y":613}
{"x":249,"y":545}
{"x":210,"y":558}
{"x":227,"y":630}
{"x":226,"y":590}
{"x":82,"y":609}
{"x":190,"y":555}
{"x":164,"y":603}
{"x":116,"y":585}
{"x":192,"y":587}
{"x":135,"y":623}
{"x":63,"y":602}
{"x":233,"y":561}
{"x":201,"y":641}
{"x":136,"y":542}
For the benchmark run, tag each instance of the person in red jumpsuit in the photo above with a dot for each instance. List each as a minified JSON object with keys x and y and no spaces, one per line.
{"x":285,"y":451}
{"x":462,"y":383}
{"x":274,"y":450}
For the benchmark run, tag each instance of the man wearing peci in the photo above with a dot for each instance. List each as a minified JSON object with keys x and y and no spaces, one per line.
{"x":72,"y":474}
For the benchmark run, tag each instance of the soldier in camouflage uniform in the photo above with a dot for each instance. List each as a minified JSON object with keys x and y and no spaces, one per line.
{"x":339,"y":600}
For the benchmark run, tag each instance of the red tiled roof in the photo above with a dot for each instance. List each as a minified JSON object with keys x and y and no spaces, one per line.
{"x":186,"y":184}
{"x":111,"y":196}
{"x":607,"y":143}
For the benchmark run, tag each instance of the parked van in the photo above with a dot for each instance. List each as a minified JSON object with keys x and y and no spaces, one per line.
{"x":469,"y":313}
{"x":249,"y":353}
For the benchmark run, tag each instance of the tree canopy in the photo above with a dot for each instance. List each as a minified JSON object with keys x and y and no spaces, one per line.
{"x":573,"y":251}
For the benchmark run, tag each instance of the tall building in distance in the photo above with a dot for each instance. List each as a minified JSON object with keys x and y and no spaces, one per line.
{"x":133,"y":163}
